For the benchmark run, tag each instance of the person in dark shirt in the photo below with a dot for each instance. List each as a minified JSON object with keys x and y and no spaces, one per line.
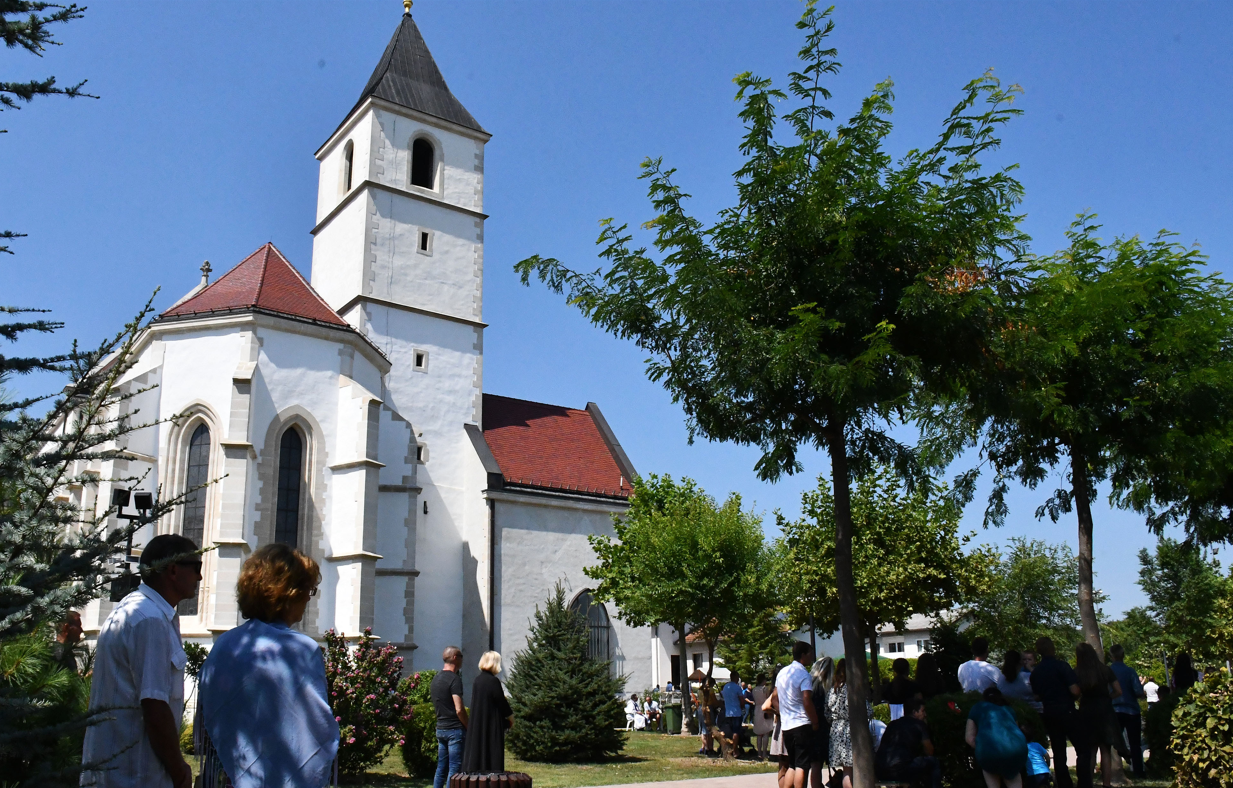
{"x":1184,"y":674}
{"x":928,"y":677}
{"x":901,"y":688}
{"x":906,"y":751}
{"x":1057,"y":686}
{"x":446,"y":694}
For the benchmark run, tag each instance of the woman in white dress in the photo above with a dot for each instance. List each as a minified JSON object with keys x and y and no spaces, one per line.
{"x":763,"y":721}
{"x":841,"y":727}
{"x":771,"y":704}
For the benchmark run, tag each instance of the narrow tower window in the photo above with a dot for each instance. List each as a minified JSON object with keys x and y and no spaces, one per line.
{"x":290,"y":475}
{"x":348,"y":165}
{"x":423,"y":164}
{"x":196,"y":474}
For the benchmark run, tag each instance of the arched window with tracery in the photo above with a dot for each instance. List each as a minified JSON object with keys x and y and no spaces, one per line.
{"x":599,"y":628}
{"x":197,"y":473}
{"x":423,"y":164}
{"x":290,"y":483}
{"x":348,"y":165}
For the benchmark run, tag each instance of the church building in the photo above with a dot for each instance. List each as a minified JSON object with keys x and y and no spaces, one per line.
{"x":346,"y":414}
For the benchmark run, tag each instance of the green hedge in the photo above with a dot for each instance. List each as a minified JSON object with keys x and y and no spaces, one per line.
{"x":948,"y":717}
{"x":419,"y":742}
{"x":1202,"y":740}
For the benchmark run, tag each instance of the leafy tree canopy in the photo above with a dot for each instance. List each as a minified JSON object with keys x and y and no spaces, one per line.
{"x":1033,"y":592}
{"x":1114,"y":363}
{"x":1188,"y":597}
{"x":907,"y":554}
{"x":815,"y":308}
{"x":682,"y":559}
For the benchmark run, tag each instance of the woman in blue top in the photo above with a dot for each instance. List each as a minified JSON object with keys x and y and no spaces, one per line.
{"x":264,"y":702}
{"x":1001,"y":749}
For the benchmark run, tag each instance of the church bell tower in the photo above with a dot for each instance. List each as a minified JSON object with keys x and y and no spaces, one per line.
{"x":398,"y":252}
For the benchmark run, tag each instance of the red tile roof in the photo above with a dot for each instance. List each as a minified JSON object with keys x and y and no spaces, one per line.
{"x":263,"y":281}
{"x":550,"y":447}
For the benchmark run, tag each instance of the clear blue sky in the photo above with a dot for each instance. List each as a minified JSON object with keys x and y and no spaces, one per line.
{"x":201,"y":148}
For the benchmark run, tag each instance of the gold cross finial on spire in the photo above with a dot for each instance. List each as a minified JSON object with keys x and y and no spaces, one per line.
{"x":406,"y":4}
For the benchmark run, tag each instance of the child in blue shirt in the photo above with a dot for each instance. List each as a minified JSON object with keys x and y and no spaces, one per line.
{"x":1037,"y":766}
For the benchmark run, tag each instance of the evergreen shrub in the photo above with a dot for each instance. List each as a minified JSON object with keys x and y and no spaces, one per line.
{"x":947,"y":717}
{"x":567,"y":706}
{"x":419,"y":741}
{"x":369,"y":697}
{"x":37,"y":696}
{"x":1202,"y":742}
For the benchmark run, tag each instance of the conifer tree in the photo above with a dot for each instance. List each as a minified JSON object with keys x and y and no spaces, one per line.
{"x":567,"y":706}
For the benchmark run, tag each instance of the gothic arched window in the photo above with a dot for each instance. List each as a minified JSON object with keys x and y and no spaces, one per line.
{"x":423,"y":164}
{"x":290,"y":481}
{"x":197,"y":473}
{"x":599,"y":628}
{"x":348,"y":165}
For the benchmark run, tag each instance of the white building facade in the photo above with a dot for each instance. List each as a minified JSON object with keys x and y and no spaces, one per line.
{"x":347,"y":416}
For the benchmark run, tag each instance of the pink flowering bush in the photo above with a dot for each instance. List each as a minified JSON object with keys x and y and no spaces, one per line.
{"x":369,"y":697}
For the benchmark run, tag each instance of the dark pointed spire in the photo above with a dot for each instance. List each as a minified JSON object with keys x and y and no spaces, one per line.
{"x":408,"y":76}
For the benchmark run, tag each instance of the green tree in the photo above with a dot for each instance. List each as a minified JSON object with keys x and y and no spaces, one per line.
{"x":761,"y":639}
{"x":681,"y":559}
{"x":568,"y":705}
{"x":842,"y":283}
{"x":1033,"y":592}
{"x":907,"y":556}
{"x":1139,"y":634}
{"x":1114,"y":364}
{"x":1184,"y":586}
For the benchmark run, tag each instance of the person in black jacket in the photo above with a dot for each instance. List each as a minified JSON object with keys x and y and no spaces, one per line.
{"x":491,"y":716}
{"x":1057,"y":686}
{"x":906,"y":751}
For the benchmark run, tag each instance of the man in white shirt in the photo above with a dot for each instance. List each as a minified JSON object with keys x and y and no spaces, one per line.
{"x":798,"y":719}
{"x":138,"y":677}
{"x":1152,"y":690}
{"x":977,"y":675}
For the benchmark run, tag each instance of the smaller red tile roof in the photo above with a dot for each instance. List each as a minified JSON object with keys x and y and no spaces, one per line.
{"x":552,"y":448}
{"x":264,"y":281}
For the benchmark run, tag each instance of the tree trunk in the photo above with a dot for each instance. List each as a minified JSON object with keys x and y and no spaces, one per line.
{"x":875,"y":672}
{"x":1083,"y":507}
{"x":684,"y":688}
{"x":849,"y":614}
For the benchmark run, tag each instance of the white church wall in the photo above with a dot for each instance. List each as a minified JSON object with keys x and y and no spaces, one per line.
{"x":438,"y":400}
{"x":358,"y":131}
{"x":448,"y":279}
{"x":540,"y":541}
{"x":337,"y":268}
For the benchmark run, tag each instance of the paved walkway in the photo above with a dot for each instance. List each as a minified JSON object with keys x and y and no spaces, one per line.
{"x":763,"y":780}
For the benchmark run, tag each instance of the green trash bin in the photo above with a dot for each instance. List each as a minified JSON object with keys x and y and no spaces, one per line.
{"x":672,"y":718}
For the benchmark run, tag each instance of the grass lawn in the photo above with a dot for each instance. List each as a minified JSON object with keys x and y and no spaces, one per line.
{"x":648,"y":757}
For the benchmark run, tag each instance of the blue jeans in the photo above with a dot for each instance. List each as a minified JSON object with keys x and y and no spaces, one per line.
{"x":449,"y":755}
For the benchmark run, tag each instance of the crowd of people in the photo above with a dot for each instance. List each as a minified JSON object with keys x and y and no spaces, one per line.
{"x":264,"y":716}
{"x":263,"y":712}
{"x":800,"y":719}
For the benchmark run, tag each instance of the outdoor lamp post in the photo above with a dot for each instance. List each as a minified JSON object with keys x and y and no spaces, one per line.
{"x":143,"y":502}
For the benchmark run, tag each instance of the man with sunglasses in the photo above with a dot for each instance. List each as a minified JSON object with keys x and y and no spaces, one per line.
{"x":139,"y":676}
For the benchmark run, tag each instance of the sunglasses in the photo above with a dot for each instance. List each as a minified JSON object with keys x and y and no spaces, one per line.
{"x":193,"y":564}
